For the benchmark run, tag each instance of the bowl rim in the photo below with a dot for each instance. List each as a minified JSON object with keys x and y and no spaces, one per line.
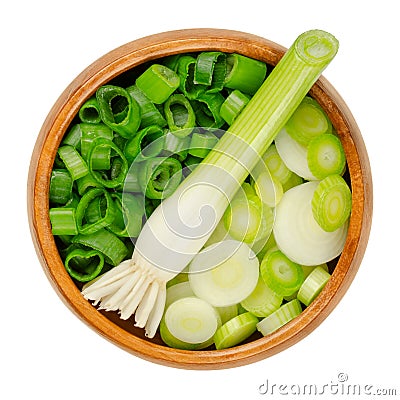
{"x":154,"y":47}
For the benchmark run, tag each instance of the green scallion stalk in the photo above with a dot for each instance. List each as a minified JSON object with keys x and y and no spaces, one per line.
{"x":166,"y":245}
{"x":180,"y":115}
{"x":63,"y":221}
{"x":106,"y":242}
{"x":61,"y":182}
{"x":233,"y":106}
{"x":90,"y":270}
{"x":118,"y":110}
{"x":158,"y":83}
{"x":244,"y":73}
{"x":90,"y":111}
{"x":150,"y":115}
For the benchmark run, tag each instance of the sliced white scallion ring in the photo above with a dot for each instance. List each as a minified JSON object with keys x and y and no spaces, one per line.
{"x":280,"y":317}
{"x":262,"y":301}
{"x":294,"y":155}
{"x":313,"y":285}
{"x":235,"y":331}
{"x":297,"y":233}
{"x":191,"y":320}
{"x":178,"y":291}
{"x":331,"y":203}
{"x":224,"y":273}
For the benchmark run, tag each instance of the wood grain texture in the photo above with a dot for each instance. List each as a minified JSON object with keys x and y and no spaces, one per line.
{"x":122,"y":333}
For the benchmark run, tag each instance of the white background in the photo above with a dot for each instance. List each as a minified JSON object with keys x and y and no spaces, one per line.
{"x":46,"y":351}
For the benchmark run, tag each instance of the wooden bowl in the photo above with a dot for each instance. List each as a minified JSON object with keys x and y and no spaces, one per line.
{"x":108,"y":324}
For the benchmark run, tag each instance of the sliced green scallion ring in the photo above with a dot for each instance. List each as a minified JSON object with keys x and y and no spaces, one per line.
{"x":201,"y":143}
{"x":147,"y":143}
{"x":275,"y":165}
{"x":185,"y":69}
{"x":262,"y":301}
{"x":233,"y":105}
{"x":90,"y":271}
{"x":85,"y":227}
{"x":235,"y":331}
{"x":280,"y":317}
{"x":150,"y":115}
{"x":180,"y":115}
{"x":90,"y":111}
{"x":159,"y":177}
{"x":244,"y":73}
{"x":210,"y":70}
{"x":63,"y":221}
{"x":158,"y":82}
{"x":331,"y":203}
{"x":325,"y":156}
{"x":73,"y":161}
{"x":104,"y":241}
{"x":113,"y":182}
{"x":118,"y":110}
{"x":60,"y":186}
{"x":313,"y":285}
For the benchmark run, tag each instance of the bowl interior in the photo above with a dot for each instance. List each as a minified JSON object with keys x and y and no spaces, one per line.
{"x":120,"y":67}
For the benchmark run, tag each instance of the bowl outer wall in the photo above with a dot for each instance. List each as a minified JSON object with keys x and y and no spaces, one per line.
{"x":154,"y":47}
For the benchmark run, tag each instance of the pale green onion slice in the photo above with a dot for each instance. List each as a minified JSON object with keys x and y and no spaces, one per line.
{"x":178,"y":291}
{"x":298,"y":234}
{"x":224,"y":273}
{"x":282,"y":275}
{"x":307,"y":269}
{"x":172,"y":341}
{"x":294,"y":155}
{"x":331,"y":203}
{"x":235,"y":331}
{"x":191,"y":320}
{"x":313,"y":285}
{"x":276,"y":166}
{"x":228,"y":312}
{"x":293,"y":181}
{"x":325,"y":156}
{"x":262,"y":301}
{"x":268,"y":189}
{"x":219,"y":234}
{"x":308,"y":122}
{"x":280,"y":317}
{"x":248,"y":219}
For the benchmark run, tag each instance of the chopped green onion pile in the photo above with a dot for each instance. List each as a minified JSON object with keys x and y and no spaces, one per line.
{"x":130,"y":148}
